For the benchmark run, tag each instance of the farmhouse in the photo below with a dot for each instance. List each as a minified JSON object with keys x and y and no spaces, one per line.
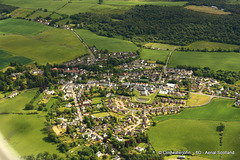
{"x":13,"y":94}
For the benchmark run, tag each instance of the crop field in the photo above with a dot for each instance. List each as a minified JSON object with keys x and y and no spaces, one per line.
{"x":195,"y":129}
{"x":211,"y":46}
{"x":21,"y":27}
{"x":206,"y":9}
{"x":214,"y":60}
{"x":161,"y":46}
{"x":197,"y":100}
{"x":25,"y":134}
{"x":17,"y":104}
{"x":101,"y":42}
{"x":53,"y":45}
{"x":6,"y":58}
{"x":154,"y":55}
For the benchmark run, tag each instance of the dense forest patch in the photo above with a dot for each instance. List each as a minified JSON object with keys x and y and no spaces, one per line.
{"x":173,"y":25}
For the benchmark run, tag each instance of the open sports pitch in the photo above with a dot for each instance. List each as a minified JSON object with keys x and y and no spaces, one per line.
{"x":38,"y":42}
{"x":214,"y":60}
{"x":101,"y":42}
{"x":195,"y":129}
{"x":154,"y":55}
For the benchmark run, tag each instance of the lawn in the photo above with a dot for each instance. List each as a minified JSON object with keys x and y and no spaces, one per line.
{"x":25,"y":134}
{"x":207,"y":9}
{"x":217,"y":110}
{"x":6,"y":58}
{"x":185,"y":135}
{"x":211,"y":46}
{"x":144,"y":99}
{"x":238,"y":83}
{"x":52,"y":46}
{"x":96,"y":100}
{"x":197,"y":100}
{"x":162,"y":46}
{"x":101,"y":42}
{"x":21,"y":27}
{"x":150,"y":54}
{"x":214,"y":60}
{"x":17,"y":104}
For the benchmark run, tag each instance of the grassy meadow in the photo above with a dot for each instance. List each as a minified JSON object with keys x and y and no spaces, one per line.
{"x":154,"y":55}
{"x":101,"y":42}
{"x":195,"y":129}
{"x":21,"y":12}
{"x":162,"y":46}
{"x":197,"y":100}
{"x":207,"y":9}
{"x":38,"y":42}
{"x":211,"y":46}
{"x":214,"y":60}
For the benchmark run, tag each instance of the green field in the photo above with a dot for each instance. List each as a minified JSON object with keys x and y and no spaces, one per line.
{"x":52,"y":46}
{"x":21,"y":12}
{"x":214,"y":60}
{"x":143,"y":99}
{"x":40,"y":13}
{"x":195,"y":129}
{"x":25,"y":134}
{"x":211,"y":46}
{"x":110,"y":6}
{"x":6,"y":58}
{"x":96,"y":100}
{"x":185,"y":135}
{"x":51,"y":5}
{"x":21,"y":27}
{"x":17,"y":104}
{"x":153,"y":55}
{"x":217,"y":110}
{"x":76,"y":6}
{"x":161,"y":46}
{"x":101,"y":42}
